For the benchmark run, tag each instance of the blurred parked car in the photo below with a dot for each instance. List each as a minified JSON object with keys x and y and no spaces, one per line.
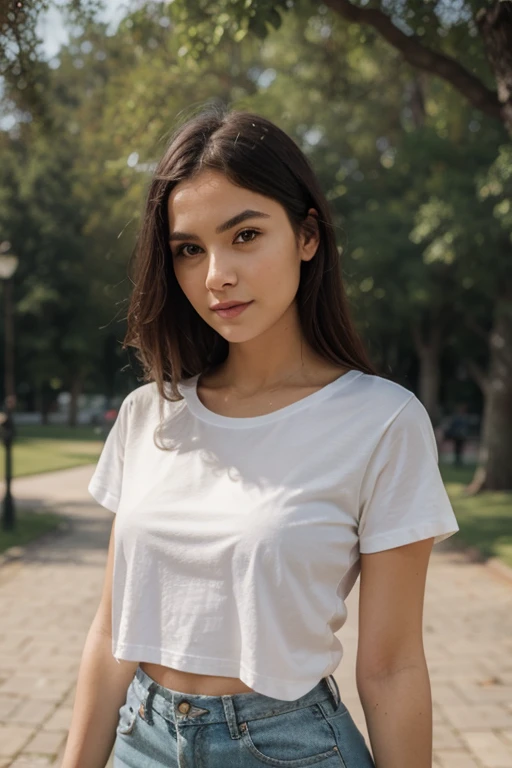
{"x":109,"y":418}
{"x":92,"y":416}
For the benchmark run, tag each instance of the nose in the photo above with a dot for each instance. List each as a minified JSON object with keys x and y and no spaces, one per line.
{"x":221,"y":271}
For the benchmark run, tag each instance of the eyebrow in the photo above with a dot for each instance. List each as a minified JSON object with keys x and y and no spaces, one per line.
{"x":247,"y":214}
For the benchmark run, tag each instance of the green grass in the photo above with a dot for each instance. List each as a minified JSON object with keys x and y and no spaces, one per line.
{"x":57,"y":432}
{"x":39,"y":449}
{"x":30,"y":526}
{"x":485,"y":520}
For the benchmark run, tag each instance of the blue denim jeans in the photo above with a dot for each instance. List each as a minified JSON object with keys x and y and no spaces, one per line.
{"x":160,"y":727}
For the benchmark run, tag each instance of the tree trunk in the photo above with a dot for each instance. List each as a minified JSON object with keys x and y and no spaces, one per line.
{"x":46,"y":394}
{"x":495,"y":26}
{"x":495,"y":461}
{"x":75,"y":390}
{"x":110,"y":366}
{"x":429,"y":380}
{"x":428,"y":348}
{"x":428,"y":351}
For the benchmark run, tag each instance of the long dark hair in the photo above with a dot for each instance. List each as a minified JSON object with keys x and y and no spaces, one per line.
{"x":173,"y":342}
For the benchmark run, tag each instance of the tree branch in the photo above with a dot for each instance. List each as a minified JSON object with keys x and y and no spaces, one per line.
{"x":495,"y":25}
{"x":417,"y":55}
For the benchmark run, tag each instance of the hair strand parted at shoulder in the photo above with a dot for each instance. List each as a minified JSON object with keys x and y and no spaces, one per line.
{"x":172,"y":341}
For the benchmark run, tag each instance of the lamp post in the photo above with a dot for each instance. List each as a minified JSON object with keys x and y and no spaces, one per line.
{"x":8,"y":266}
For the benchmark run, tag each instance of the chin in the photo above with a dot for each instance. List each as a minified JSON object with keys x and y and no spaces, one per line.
{"x":236,"y":335}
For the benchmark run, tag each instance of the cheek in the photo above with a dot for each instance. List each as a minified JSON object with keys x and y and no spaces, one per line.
{"x":188,"y":282}
{"x":279,"y":273}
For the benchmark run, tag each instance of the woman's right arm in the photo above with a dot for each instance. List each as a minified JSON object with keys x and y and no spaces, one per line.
{"x":101,"y":687}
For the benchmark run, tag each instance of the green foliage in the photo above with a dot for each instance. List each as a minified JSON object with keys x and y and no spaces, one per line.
{"x":419,"y":195}
{"x":30,"y":525}
{"x":495,"y":186}
{"x":203,"y":25}
{"x":21,"y":69}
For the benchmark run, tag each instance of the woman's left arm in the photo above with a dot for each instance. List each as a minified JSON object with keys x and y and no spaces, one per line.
{"x":391,"y":670}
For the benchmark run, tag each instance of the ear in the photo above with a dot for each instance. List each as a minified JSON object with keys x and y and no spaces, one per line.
{"x":309,"y":236}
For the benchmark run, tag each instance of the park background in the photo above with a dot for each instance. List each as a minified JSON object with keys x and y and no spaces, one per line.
{"x":404,"y":107}
{"x":397,"y":105}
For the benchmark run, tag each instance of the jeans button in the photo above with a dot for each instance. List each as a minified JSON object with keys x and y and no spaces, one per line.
{"x":184,"y":707}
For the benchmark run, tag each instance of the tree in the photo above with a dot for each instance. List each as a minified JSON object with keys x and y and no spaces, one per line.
{"x":71,"y":197}
{"x":417,"y":35}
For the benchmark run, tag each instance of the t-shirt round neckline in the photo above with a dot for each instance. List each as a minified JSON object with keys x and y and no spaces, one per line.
{"x":188,"y":389}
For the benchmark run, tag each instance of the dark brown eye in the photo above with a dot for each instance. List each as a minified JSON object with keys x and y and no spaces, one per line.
{"x":253,"y":232}
{"x":181,"y":249}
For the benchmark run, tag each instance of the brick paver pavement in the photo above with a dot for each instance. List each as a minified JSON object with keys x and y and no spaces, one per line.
{"x":48,"y":599}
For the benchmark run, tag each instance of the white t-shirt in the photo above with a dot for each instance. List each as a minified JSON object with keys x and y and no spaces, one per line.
{"x":236,"y":548}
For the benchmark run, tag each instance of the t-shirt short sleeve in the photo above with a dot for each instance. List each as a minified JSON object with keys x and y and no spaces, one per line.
{"x":106,"y":482}
{"x":403,"y":498}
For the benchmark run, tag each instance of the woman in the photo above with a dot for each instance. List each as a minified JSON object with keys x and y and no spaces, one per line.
{"x":262,"y":466}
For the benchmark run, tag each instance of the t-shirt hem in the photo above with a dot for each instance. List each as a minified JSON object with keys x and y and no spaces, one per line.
{"x":397,"y":538}
{"x":103,"y":496}
{"x":209,"y":665}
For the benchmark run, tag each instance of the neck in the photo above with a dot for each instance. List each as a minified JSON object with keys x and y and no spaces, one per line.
{"x":276,"y":356}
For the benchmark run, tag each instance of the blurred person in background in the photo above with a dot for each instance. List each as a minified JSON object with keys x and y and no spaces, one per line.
{"x":457,"y":430}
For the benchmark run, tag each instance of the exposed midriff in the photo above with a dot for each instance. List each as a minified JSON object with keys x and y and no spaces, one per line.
{"x":193,"y":684}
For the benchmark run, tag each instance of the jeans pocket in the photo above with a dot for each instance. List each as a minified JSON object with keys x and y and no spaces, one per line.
{"x":295,"y":739}
{"x":339,"y":710}
{"x":128,"y":713}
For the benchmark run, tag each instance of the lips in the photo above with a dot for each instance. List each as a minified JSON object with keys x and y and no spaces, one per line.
{"x":233,"y":311}
{"x":228,"y":304}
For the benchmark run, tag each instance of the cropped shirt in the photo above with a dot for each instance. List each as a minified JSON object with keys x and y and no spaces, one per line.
{"x":237,"y":540}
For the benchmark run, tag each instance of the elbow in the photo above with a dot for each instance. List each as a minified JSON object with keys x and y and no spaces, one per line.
{"x":368,"y":675}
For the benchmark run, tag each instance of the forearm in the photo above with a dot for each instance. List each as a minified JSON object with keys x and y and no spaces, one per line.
{"x":398,"y":711}
{"x":100,"y":692}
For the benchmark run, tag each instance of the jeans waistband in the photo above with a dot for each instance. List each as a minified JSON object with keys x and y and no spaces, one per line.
{"x":177,"y":706}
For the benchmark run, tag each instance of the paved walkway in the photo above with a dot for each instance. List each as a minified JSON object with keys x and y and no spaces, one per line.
{"x":48,"y":599}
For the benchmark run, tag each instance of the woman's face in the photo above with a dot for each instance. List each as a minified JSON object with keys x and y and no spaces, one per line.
{"x":231,"y":244}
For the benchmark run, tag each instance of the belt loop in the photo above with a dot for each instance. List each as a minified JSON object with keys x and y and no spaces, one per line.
{"x":146,"y":706}
{"x":229,"y":711}
{"x":333,"y":686}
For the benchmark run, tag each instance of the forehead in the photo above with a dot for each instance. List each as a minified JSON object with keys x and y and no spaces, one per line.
{"x":211,"y":195}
